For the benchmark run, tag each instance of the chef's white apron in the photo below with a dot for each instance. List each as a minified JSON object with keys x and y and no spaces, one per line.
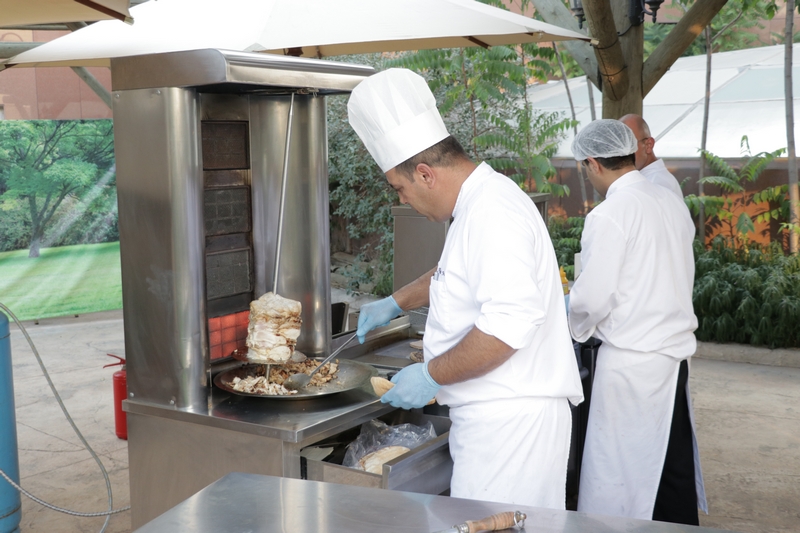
{"x":633,"y":396}
{"x":512,"y":451}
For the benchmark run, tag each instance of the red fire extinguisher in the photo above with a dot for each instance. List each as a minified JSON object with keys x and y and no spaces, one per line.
{"x":120,"y":393}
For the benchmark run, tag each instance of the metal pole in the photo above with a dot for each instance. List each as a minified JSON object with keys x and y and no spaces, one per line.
{"x":595,"y":194}
{"x":794,"y":193}
{"x":10,"y":504}
{"x":581,"y":180}
{"x":283,"y":195}
{"x":93,"y":84}
{"x":701,"y":221}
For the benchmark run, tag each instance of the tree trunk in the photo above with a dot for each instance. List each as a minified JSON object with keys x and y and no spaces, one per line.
{"x":36,"y":242}
{"x":701,"y":222}
{"x":632,"y":44}
{"x":611,"y":61}
{"x":794,"y":196}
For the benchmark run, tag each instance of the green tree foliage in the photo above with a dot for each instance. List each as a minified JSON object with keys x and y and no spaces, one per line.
{"x":747,"y":294}
{"x":727,"y":211}
{"x":732,"y":29}
{"x":484,"y":104}
{"x":360,"y":194}
{"x":566,"y":236}
{"x":481,"y":95}
{"x":44,"y":164}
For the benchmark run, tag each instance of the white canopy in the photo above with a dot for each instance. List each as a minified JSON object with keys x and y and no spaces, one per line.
{"x":310,"y":28}
{"x":747,"y":98}
{"x":24,"y":12}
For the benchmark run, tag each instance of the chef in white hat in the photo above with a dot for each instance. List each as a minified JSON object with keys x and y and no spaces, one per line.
{"x":634,"y":293}
{"x":497,"y":347}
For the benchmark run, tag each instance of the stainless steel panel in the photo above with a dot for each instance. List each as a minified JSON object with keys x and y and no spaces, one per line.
{"x":196,"y":68}
{"x":303,"y":422}
{"x":418,"y":244}
{"x":305,"y":258}
{"x":426,"y":469}
{"x":171,"y":460}
{"x":160,"y":197}
{"x":264,"y":504}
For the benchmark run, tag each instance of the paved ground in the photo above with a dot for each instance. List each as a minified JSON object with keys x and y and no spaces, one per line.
{"x":748,"y":419}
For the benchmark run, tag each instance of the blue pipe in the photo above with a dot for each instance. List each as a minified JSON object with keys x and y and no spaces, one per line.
{"x":10,"y":503}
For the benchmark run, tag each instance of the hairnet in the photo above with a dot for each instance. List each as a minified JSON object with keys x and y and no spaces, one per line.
{"x":604,"y":138}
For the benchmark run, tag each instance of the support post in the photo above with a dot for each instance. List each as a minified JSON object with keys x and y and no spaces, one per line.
{"x":10,"y":502}
{"x":87,"y":76}
{"x":93,"y":84}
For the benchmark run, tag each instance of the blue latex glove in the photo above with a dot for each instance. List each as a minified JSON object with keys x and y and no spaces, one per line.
{"x":376,"y":314}
{"x":566,"y":302}
{"x":413,"y":387}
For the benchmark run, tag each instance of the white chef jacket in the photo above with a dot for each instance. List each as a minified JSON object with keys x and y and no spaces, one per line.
{"x":656,"y":172}
{"x":498,"y":272}
{"x":511,"y":427}
{"x":635,"y":294}
{"x":637,"y":271}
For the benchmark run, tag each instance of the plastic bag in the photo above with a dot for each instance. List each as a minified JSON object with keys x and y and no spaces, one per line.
{"x":376,"y":435}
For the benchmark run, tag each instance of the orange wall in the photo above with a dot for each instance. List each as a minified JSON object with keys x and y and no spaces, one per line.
{"x":49,"y":92}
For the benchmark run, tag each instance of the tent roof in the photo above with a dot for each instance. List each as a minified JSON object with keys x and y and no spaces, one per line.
{"x":747,"y":98}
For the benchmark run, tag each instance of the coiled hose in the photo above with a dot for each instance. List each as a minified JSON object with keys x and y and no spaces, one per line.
{"x":111,"y":509}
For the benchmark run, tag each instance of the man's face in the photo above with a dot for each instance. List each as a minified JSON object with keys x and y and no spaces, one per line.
{"x":592,"y":169}
{"x":414,"y":193}
{"x":644,"y":148}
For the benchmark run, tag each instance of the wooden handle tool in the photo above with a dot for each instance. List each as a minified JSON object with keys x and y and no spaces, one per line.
{"x":381,"y":386}
{"x":492,"y":523}
{"x":495,"y":522}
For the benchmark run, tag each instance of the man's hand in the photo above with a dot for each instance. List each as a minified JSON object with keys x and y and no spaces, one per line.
{"x":376,"y":314}
{"x":414,"y":387}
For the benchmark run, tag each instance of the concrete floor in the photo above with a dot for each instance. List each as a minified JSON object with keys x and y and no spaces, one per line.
{"x":748,"y":421}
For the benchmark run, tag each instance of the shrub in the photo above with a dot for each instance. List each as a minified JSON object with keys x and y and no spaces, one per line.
{"x":566,"y":236}
{"x":747,"y":294}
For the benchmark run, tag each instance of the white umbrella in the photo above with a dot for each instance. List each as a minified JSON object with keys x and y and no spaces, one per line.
{"x":24,"y":12}
{"x":310,"y":28}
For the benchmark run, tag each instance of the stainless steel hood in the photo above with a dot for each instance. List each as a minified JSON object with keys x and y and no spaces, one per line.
{"x":230,"y":71}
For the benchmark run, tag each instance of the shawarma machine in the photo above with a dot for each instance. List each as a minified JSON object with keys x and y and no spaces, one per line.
{"x":201,"y":149}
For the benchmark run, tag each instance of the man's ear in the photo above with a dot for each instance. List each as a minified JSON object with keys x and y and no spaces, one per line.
{"x":427,"y":174}
{"x":593,"y":164}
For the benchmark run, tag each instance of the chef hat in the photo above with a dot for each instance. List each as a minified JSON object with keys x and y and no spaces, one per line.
{"x":394,"y":113}
{"x":604,"y":138}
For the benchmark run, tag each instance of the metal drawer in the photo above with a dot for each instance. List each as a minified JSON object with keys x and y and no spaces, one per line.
{"x":426,"y":469}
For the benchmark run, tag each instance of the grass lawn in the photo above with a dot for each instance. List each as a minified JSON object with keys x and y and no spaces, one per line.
{"x":68,"y":280}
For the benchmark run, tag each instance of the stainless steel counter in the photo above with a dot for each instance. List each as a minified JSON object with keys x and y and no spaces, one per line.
{"x":265,"y":504}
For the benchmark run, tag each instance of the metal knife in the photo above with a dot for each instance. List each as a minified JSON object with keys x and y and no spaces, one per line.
{"x":490,"y":523}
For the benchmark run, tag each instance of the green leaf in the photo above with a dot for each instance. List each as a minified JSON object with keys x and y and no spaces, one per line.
{"x":726,"y":183}
{"x":744,"y":224}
